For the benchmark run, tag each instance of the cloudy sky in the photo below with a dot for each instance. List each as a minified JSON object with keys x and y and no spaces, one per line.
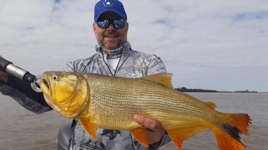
{"x":217,"y":44}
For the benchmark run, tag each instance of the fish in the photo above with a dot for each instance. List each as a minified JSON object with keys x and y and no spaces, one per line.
{"x":109,"y":102}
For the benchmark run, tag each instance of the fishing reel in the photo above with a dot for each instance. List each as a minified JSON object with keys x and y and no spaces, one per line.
{"x":20,"y":73}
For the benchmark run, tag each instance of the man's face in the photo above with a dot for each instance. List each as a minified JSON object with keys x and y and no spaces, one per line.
{"x":110,"y":38}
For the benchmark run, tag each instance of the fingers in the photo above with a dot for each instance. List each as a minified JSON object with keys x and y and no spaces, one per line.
{"x":148,"y":122}
{"x":154,"y":128}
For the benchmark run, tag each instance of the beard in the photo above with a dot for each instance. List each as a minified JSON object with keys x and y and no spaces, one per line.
{"x":111,"y":44}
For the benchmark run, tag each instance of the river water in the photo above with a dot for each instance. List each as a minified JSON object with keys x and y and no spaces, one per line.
{"x":21,"y":129}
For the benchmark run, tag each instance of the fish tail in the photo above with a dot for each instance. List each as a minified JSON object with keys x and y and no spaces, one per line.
{"x":228,"y":136}
{"x":241,"y":122}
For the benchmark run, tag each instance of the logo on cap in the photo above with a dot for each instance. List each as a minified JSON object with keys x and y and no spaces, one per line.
{"x":107,"y":3}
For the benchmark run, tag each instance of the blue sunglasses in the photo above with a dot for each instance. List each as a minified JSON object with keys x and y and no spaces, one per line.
{"x":117,"y":23}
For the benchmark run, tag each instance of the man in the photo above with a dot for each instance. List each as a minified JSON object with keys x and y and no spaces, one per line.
{"x":114,"y":57}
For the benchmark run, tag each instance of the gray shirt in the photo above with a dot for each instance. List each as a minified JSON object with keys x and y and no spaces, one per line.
{"x":132,"y":64}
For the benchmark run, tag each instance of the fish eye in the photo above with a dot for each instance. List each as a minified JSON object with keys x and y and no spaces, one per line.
{"x":55,"y":77}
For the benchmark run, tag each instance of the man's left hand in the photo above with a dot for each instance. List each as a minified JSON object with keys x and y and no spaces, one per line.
{"x":154,"y":128}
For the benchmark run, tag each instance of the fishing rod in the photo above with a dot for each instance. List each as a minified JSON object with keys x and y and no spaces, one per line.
{"x":20,"y":73}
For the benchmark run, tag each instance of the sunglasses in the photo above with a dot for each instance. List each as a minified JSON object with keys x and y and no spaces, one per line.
{"x":117,"y":23}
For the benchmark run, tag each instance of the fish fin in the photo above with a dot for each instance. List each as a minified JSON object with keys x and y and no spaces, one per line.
{"x":241,"y":122}
{"x":163,"y":79}
{"x":141,"y":135}
{"x":212,"y":105}
{"x":91,"y":128}
{"x":226,"y":141}
{"x":181,"y":134}
{"x":229,"y":138}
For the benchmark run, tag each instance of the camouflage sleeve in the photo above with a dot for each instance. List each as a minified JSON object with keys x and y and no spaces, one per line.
{"x":155,"y":66}
{"x":78,"y":65}
{"x":22,"y":92}
{"x":68,"y":68}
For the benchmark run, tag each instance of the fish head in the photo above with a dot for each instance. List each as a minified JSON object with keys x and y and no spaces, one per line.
{"x":66,"y":92}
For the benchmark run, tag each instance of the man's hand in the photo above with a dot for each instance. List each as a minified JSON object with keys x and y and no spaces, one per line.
{"x":154,"y":128}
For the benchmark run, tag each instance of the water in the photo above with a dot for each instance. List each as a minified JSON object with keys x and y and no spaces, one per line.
{"x":21,"y":129}
{"x":254,"y":104}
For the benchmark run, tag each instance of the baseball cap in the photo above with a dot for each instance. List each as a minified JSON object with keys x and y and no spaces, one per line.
{"x":109,"y":5}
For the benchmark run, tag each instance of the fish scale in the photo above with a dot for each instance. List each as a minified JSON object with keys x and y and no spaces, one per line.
{"x":109,"y":104}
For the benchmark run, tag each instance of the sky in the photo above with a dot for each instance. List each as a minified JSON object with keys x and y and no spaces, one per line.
{"x":220,"y":45}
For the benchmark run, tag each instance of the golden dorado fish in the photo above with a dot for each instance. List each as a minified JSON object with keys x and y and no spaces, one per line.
{"x":100,"y":101}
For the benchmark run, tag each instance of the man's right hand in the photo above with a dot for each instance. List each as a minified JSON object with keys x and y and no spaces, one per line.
{"x":3,"y":78}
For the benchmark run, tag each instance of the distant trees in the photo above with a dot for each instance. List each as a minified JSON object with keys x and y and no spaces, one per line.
{"x":247,"y":91}
{"x":184,"y":89}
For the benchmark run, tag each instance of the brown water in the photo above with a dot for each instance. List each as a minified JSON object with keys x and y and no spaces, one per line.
{"x":21,"y":129}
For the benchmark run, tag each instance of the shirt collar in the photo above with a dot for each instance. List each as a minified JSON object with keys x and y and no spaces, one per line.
{"x":126,"y":48}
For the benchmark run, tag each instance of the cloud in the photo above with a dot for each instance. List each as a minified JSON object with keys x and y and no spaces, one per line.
{"x":206,"y":44}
